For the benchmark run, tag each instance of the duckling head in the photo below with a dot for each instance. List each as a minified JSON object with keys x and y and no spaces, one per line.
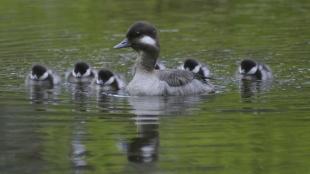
{"x":192,"y":65}
{"x":248,"y":67}
{"x":81,"y":69}
{"x":105,"y":77}
{"x":39,"y":72}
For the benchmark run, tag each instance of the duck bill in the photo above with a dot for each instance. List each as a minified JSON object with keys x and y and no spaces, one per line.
{"x":123,"y":44}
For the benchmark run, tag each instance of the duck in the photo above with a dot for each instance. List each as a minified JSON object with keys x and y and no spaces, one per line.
{"x":81,"y":73}
{"x":41,"y":75}
{"x":109,"y":80}
{"x":196,"y":67}
{"x":251,"y":70}
{"x":143,"y":38}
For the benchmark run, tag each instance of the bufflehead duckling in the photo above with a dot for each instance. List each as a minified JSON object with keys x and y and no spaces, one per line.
{"x":109,"y":81}
{"x":252,"y":70}
{"x":40,"y":75}
{"x":196,"y":67}
{"x":82,"y":73}
{"x":143,"y":38}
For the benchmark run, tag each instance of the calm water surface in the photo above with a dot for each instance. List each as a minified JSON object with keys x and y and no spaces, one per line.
{"x":243,"y":128}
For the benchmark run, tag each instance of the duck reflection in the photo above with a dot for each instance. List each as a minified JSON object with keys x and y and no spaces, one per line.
{"x":79,"y":152}
{"x":111,"y":101}
{"x":251,"y":89}
{"x":144,"y":148}
{"x":80,"y":95}
{"x":43,"y":94}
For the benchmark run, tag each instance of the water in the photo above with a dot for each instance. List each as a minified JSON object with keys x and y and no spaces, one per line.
{"x":243,"y":128}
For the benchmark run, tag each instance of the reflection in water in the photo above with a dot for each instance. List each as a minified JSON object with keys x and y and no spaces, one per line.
{"x":158,"y":105}
{"x":78,"y":148}
{"x":42,"y":94}
{"x":144,"y":147}
{"x":249,"y":89}
{"x":111,"y":101}
{"x":80,"y":95}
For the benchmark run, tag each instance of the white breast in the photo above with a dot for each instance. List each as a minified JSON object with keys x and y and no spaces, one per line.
{"x":145,"y":83}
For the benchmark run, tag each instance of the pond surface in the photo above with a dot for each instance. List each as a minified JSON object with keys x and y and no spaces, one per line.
{"x":243,"y":128}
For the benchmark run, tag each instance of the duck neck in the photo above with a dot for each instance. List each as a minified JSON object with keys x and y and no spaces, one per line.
{"x":146,"y":60}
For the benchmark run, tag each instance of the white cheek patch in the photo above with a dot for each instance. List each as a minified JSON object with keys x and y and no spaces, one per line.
{"x":196,"y":69}
{"x":110,"y":81}
{"x":33,"y":77}
{"x":44,"y":76}
{"x":148,"y":40}
{"x":74,"y":74}
{"x":99,"y":82}
{"x":87,"y":73}
{"x":253,"y":70}
{"x":241,"y":71}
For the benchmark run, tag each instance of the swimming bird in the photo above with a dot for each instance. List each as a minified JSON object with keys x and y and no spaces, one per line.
{"x":196,"y":67}
{"x":81,"y":73}
{"x":109,"y":80}
{"x":252,"y":70}
{"x":40,"y":75}
{"x":143,"y":38}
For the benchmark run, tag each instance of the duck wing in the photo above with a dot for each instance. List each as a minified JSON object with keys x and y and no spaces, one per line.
{"x":176,"y":77}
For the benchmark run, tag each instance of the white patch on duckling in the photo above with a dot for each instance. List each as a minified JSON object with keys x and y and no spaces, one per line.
{"x":99,"y":82}
{"x":196,"y":69}
{"x":110,"y":81}
{"x":87,"y":73}
{"x":253,"y":70}
{"x":76,"y":75}
{"x":35,"y":77}
{"x":44,"y":76}
{"x":148,"y":40}
{"x":241,"y":71}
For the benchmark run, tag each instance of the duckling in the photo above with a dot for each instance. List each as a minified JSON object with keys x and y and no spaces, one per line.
{"x":143,"y":38}
{"x":82,"y":73}
{"x":40,"y":75}
{"x":110,"y":81}
{"x":196,"y":67}
{"x":252,"y":70}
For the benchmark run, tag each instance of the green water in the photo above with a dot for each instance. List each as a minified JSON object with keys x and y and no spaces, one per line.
{"x":240,"y":129}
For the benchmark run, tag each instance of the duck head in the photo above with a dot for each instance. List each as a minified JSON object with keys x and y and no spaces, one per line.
{"x":81,"y":69}
{"x":143,"y":38}
{"x":39,"y":72}
{"x":248,"y":67}
{"x":192,"y":65}
{"x":140,"y":36}
{"x":105,"y":77}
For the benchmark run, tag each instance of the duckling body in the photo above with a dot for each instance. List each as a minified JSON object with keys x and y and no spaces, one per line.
{"x":109,"y":81}
{"x":196,"y":67}
{"x":142,"y":37}
{"x":252,"y":70}
{"x":42,"y":76}
{"x":82,"y":73}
